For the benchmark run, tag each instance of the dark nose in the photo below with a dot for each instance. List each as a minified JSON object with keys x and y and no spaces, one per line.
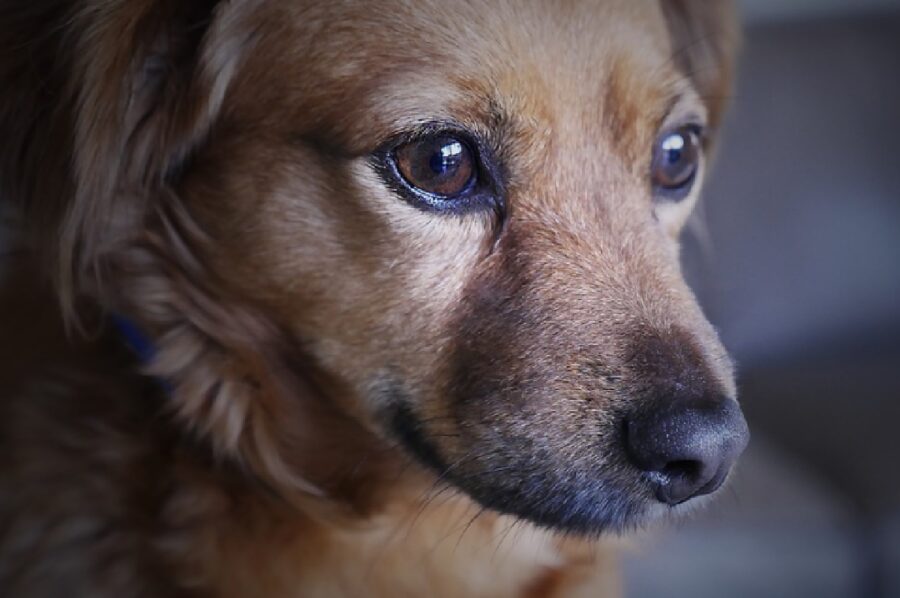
{"x":686,"y":447}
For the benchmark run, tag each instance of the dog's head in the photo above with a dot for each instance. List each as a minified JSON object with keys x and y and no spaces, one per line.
{"x":456,"y":223}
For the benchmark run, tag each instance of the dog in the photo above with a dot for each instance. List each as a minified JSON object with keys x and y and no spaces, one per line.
{"x":354,"y":298}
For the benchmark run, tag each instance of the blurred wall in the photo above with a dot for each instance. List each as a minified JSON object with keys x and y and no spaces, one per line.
{"x":801,"y":268}
{"x":803,"y":207}
{"x":756,"y":11}
{"x":797,"y":262}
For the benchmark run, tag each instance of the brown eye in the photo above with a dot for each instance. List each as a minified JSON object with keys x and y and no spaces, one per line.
{"x":440,"y":165}
{"x":676,"y":159}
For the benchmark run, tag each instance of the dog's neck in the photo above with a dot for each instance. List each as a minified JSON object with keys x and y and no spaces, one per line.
{"x":378,"y":513}
{"x":435,"y":544}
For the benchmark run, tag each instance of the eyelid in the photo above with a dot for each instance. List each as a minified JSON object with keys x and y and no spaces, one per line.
{"x":694,"y":125}
{"x":683,"y":109}
{"x":421,"y":130}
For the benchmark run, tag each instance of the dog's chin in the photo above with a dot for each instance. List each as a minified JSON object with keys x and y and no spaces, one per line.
{"x":576,"y":505}
{"x":567,"y":500}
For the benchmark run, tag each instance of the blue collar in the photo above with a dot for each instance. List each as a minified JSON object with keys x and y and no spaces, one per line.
{"x":139,"y":344}
{"x":134,"y":338}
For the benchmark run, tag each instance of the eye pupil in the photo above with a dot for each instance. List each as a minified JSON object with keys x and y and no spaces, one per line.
{"x":447,"y":158}
{"x":438,"y":165}
{"x":673,"y":145}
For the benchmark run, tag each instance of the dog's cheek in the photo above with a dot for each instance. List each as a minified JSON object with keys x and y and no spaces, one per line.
{"x":399,"y":312}
{"x":363,"y":279}
{"x":673,"y":216}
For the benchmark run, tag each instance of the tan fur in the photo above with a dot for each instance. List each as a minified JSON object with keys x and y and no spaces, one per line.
{"x":209,"y":176}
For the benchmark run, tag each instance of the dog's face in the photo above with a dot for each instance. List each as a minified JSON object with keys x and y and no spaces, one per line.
{"x":467,"y":214}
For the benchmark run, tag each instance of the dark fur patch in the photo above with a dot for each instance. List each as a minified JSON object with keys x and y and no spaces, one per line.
{"x":409,"y":431}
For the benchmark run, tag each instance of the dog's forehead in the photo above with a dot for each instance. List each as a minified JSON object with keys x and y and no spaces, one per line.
{"x":364,"y":71}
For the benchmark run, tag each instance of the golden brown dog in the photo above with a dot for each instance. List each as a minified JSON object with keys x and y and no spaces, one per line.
{"x":403,"y":282}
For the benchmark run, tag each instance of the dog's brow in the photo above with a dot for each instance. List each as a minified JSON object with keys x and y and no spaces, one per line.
{"x":673,"y":103}
{"x":681,"y":100}
{"x":497,"y":117}
{"x":484,"y":117}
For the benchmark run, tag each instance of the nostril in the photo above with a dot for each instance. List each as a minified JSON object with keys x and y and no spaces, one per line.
{"x":683,"y":468}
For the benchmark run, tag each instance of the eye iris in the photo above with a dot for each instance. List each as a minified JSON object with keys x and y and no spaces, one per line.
{"x":676,"y":160}
{"x":441,"y":165}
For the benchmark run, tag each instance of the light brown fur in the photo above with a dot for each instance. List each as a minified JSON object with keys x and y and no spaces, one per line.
{"x":208,"y":176}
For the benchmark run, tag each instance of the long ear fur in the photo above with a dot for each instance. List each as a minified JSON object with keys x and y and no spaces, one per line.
{"x":705,"y":39}
{"x":102,"y":102}
{"x":225,"y":364}
{"x":142,"y":108}
{"x":136,"y":88}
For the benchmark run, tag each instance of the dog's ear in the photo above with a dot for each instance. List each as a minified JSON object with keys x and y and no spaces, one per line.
{"x":705,"y":38}
{"x":102,"y":105}
{"x":147,"y":82}
{"x":151,"y":80}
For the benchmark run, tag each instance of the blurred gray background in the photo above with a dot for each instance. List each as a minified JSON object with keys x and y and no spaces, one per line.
{"x":797,"y":260}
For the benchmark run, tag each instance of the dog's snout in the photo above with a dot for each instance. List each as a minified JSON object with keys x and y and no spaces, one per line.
{"x":686,"y":447}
